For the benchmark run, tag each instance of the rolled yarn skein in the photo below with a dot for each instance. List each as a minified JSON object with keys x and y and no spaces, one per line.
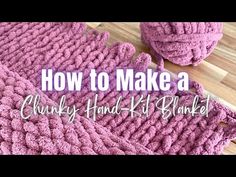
{"x":183,"y":43}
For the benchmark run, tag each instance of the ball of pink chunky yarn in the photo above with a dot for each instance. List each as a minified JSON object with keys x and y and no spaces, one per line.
{"x":182,"y":43}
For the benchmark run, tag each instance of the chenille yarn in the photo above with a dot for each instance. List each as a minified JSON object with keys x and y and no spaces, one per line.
{"x":183,"y":43}
{"x":26,"y":48}
{"x":50,"y":135}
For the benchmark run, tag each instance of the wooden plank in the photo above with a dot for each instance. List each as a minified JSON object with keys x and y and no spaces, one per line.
{"x":230,"y":81}
{"x":230,"y":149}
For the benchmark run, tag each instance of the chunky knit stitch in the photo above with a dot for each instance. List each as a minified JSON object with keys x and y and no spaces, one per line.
{"x":50,"y":134}
{"x":182,"y":43}
{"x":26,"y":48}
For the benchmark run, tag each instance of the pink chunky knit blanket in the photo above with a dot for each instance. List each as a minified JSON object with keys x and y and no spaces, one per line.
{"x":26,"y":48}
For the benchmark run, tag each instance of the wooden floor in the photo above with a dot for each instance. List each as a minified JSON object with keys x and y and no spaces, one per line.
{"x":217,"y":73}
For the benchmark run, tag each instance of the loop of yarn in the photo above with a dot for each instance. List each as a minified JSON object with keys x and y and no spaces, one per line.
{"x":182,"y":43}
